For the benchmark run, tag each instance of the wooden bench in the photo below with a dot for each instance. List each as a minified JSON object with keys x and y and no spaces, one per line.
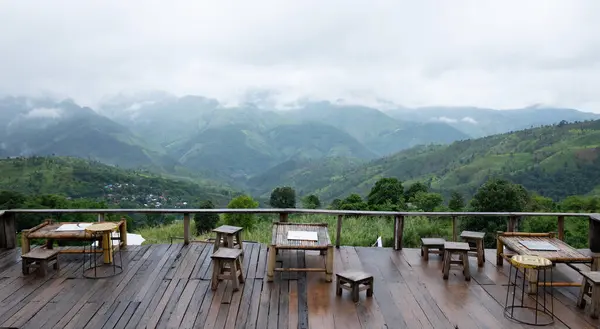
{"x":355,"y":282}
{"x":39,"y":258}
{"x":462,"y":250}
{"x":477,"y":239}
{"x":223,"y":257}
{"x":590,"y":287}
{"x":432,"y":243}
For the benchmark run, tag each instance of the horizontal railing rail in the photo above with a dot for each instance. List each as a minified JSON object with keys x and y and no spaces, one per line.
{"x":8,"y":218}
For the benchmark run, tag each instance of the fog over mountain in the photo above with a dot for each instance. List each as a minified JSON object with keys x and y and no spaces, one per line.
{"x":506,"y":54}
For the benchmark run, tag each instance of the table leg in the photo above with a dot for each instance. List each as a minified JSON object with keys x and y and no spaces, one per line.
{"x":107,"y":248}
{"x":329,"y":264}
{"x":271,"y":263}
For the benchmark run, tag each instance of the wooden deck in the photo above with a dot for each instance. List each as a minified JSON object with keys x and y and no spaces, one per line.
{"x":168,"y":286}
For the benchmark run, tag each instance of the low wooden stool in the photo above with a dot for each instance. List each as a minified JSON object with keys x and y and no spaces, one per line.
{"x":40,"y":259}
{"x":223,"y":257}
{"x":228,"y":237}
{"x":590,"y":287}
{"x":432,"y":243}
{"x":462,"y":250}
{"x":354,"y":281}
{"x":477,"y":239}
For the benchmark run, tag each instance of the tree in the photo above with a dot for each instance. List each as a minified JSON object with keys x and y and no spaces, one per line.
{"x":311,"y":202}
{"x":386,"y":191}
{"x":246,"y":221}
{"x":496,"y":195}
{"x":414,"y":189}
{"x":205,"y":222}
{"x":283,"y":197}
{"x":427,"y":201}
{"x":457,"y":202}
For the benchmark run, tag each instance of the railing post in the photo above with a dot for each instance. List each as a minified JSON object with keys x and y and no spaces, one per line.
{"x":561,"y":228}
{"x":511,"y":223}
{"x":186,"y":228}
{"x":8,"y":231}
{"x":338,"y":232}
{"x":101,"y":217}
{"x":398,"y":230}
{"x":283,"y":217}
{"x":454,"y":229}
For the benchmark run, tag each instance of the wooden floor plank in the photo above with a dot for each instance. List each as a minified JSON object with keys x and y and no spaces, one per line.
{"x":168,"y":286}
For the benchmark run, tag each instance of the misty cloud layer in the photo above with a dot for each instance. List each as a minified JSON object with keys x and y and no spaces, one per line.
{"x":501,"y":54}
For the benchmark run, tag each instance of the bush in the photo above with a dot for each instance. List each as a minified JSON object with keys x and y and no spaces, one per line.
{"x":205,"y":222}
{"x":247,"y":221}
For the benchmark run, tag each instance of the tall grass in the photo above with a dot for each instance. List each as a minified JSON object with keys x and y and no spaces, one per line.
{"x":361,"y":231}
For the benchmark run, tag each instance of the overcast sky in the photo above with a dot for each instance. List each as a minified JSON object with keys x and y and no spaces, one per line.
{"x":500,"y":54}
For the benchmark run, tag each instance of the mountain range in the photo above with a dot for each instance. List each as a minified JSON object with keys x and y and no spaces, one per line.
{"x":322,"y":147}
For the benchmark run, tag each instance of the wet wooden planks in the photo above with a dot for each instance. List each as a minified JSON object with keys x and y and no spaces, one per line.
{"x":168,"y":286}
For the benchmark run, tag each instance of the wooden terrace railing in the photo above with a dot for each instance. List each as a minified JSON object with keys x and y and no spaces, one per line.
{"x":8,"y":219}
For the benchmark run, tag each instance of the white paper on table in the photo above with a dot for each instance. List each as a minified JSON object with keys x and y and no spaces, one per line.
{"x":302,"y":235}
{"x":73,"y":227}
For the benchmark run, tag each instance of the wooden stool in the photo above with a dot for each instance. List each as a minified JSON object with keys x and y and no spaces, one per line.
{"x":354,"y":282}
{"x":233,"y":272}
{"x":228,"y":237}
{"x":590,"y":287}
{"x":462,"y":250}
{"x":40,"y":259}
{"x":432,"y":243}
{"x":477,"y":239}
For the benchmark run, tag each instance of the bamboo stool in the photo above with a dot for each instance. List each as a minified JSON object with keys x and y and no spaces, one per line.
{"x":432,"y":243}
{"x":355,"y":282}
{"x":233,"y":272}
{"x":461,"y":249}
{"x":40,"y":259}
{"x":477,"y":239}
{"x":228,"y":237}
{"x":590,"y":287}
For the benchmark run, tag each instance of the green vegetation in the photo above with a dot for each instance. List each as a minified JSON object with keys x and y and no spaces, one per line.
{"x":554,"y":161}
{"x":246,"y":221}
{"x":205,"y":222}
{"x":78,"y":178}
{"x":283,"y":197}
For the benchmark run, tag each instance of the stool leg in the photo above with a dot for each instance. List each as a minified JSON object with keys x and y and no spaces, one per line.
{"x":329,"y":264}
{"x":446,"y":269}
{"x":215,"y":275}
{"x":370,"y":289}
{"x":25,"y":266}
{"x":240,"y":267}
{"x":425,"y":253}
{"x":355,"y":292}
{"x":233,"y":276}
{"x":43,"y":267}
{"x":56,"y":266}
{"x":595,"y":302}
{"x":582,"y":292}
{"x":466,"y":268}
{"x":217,"y":242}
{"x":338,"y":288}
{"x":480,"y":253}
{"x":229,"y":239}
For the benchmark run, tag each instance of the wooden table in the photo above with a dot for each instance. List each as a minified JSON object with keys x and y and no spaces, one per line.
{"x":47,"y":231}
{"x":280,"y":241}
{"x":565,"y":253}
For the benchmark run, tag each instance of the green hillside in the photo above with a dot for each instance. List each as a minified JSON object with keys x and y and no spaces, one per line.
{"x":78,"y":178}
{"x":556,"y":161}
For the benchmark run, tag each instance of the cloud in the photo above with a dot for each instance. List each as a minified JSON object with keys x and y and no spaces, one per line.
{"x":446,"y":119}
{"x":469,"y":120}
{"x":52,"y":113}
{"x":502,"y":54}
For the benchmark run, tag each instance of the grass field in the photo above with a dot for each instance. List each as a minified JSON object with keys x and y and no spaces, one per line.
{"x":364,"y":231}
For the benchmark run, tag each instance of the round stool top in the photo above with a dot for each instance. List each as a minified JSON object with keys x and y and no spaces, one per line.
{"x":102,"y":227}
{"x":526,"y":261}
